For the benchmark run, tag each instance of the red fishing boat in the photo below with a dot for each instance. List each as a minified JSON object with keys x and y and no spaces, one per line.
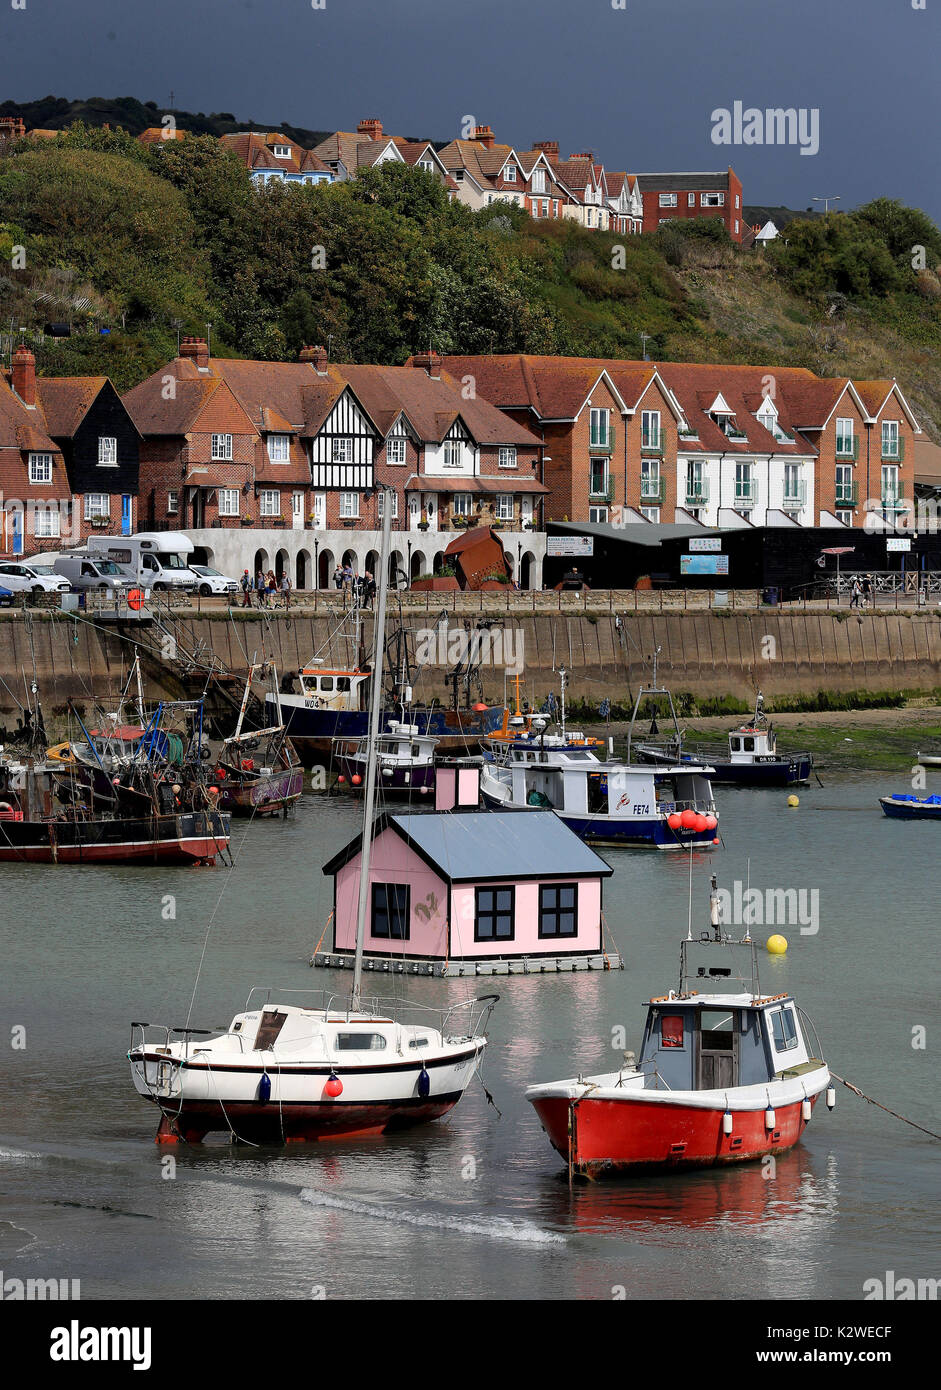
{"x":722,"y":1077}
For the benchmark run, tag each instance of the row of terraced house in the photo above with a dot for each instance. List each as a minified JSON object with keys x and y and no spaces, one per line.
{"x":225,"y":449}
{"x":479,"y":171}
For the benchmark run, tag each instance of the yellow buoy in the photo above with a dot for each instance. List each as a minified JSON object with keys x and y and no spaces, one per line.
{"x":793,"y":801}
{"x":776,"y":945}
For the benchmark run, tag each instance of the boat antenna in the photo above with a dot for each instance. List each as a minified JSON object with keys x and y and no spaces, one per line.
{"x":375,"y":709}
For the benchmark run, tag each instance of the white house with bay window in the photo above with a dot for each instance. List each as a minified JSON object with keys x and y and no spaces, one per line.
{"x":739,"y":490}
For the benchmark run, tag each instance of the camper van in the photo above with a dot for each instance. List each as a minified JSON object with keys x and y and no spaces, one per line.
{"x":154,"y":559}
{"x":86,"y":571}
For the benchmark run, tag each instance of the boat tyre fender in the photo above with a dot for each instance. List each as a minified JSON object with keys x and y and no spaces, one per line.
{"x":205,"y":753}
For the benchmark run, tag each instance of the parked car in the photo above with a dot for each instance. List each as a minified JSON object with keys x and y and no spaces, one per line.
{"x":213,"y":581}
{"x":154,"y":559}
{"x":6,"y":597}
{"x":22,"y":578}
{"x":85,"y":571}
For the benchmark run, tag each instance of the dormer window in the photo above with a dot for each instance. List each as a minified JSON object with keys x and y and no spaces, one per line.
{"x":40,"y":468}
{"x":509,"y":173}
{"x":281,"y":151}
{"x":539,"y":180}
{"x":279,"y":448}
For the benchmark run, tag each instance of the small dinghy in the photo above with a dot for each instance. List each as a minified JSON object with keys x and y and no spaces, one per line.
{"x":722,"y":1077}
{"x":905,"y":806}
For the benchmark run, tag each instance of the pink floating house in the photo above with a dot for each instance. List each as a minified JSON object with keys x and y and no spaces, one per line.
{"x":470,"y":892}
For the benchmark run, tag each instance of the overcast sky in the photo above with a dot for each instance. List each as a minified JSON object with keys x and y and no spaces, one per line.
{"x":637,"y":85}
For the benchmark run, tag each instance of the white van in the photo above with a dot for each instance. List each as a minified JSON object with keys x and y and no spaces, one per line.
{"x":86,"y":571}
{"x":154,"y":559}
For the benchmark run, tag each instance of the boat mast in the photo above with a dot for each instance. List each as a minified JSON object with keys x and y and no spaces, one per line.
{"x":375,"y":711}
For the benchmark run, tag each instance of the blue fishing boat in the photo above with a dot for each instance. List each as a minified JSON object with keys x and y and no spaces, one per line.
{"x":905,"y":806}
{"x":752,"y":758}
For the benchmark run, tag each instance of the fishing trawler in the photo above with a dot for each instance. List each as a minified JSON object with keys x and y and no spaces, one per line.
{"x":722,"y":1077}
{"x":325,"y":702}
{"x":325,"y":1070}
{"x":605,"y":802}
{"x":751,"y":759}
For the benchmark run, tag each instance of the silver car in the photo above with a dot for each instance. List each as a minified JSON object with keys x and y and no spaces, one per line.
{"x":22,"y":578}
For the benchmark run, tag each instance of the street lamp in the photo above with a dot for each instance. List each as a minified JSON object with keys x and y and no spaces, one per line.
{"x":827,"y":201}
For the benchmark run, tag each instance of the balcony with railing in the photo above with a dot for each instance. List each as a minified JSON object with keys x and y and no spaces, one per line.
{"x":847,"y":494}
{"x":653,"y":491}
{"x":847,"y":446}
{"x":795,"y":496}
{"x":652,"y":441}
{"x":746,"y":492}
{"x":893,"y":448}
{"x":892,"y":500}
{"x":601,"y":439}
{"x":697,"y":492}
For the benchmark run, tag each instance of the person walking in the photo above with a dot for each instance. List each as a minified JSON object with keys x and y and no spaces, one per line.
{"x":246,"y":582}
{"x":347,"y":581}
{"x":857,"y":591}
{"x":867,"y":590}
{"x":272,"y":583}
{"x":370,"y":587}
{"x":285,"y":590}
{"x":338,"y":578}
{"x":261,"y":589}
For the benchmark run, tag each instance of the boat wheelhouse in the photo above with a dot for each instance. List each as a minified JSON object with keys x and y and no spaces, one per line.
{"x":722,"y":1077}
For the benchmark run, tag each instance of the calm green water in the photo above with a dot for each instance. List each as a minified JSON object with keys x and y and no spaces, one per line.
{"x":82,"y":1191}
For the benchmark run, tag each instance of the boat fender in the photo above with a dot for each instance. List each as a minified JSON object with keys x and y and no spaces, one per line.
{"x":831,"y":1097}
{"x":806,"y":1109}
{"x":334,"y":1086}
{"x":264,"y":1088}
{"x":727,"y":1122}
{"x":769,"y":1117}
{"x":205,"y":753}
{"x":424,"y":1083}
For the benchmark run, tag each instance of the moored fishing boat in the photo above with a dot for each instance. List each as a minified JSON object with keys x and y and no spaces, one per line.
{"x":751,"y":759}
{"x":405,"y":759}
{"x":257,"y":772}
{"x":722,"y":1078}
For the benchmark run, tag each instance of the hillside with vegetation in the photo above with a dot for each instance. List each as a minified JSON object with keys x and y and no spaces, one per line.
{"x":149,"y":241}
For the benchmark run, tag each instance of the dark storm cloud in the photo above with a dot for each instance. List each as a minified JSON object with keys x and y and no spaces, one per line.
{"x":637,"y":84}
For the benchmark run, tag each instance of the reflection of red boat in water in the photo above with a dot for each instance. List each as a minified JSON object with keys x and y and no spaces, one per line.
{"x":722,"y":1078}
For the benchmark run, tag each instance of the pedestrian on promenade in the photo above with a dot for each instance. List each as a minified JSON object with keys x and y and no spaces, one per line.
{"x":246,"y":582}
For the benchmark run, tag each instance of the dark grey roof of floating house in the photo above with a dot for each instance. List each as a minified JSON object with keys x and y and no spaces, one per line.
{"x":474,"y":846}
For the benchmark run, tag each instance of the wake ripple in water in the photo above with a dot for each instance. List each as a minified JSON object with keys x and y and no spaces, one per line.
{"x":494,"y":1227}
{"x":16,"y":1155}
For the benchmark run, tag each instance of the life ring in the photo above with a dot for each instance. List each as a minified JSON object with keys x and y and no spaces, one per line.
{"x":135,"y":599}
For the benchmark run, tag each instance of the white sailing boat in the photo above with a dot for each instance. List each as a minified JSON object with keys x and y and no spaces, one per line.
{"x":334,"y":1067}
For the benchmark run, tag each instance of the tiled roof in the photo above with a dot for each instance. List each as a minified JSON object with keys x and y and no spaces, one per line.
{"x":255,"y":149}
{"x":431,"y":405}
{"x":64,"y":401}
{"x":554,"y":387}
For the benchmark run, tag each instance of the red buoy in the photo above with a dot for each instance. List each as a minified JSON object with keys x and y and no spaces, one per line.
{"x":674,"y":820}
{"x":341,"y":779}
{"x":356,"y":779}
{"x":688,"y":819}
{"x":334,"y":1087}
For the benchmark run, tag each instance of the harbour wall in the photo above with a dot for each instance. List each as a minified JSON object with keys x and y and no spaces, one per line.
{"x":705,"y":653}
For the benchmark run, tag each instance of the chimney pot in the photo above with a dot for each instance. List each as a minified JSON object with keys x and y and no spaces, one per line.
{"x":197,"y":349}
{"x":484,"y":135}
{"x":24,"y":375}
{"x":316,"y":355}
{"x":550,"y":148}
{"x":430,"y":361}
{"x":371,"y":127}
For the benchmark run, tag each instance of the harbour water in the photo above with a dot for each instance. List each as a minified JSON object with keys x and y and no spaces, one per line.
{"x":476,"y":1206}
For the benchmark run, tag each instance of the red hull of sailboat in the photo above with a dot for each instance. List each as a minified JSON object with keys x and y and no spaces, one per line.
{"x":298,"y":1123}
{"x":627,"y":1136}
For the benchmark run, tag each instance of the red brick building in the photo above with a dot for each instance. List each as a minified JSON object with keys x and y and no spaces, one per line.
{"x":667,"y":197}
